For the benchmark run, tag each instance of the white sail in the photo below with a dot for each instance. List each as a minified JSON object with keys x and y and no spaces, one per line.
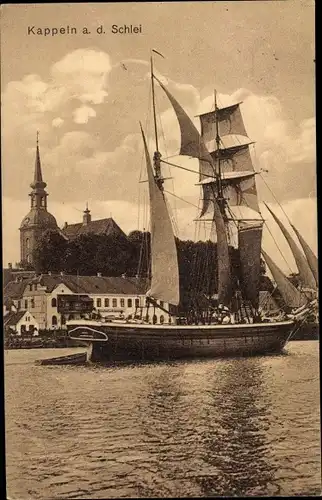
{"x":165,"y":269}
{"x":292,"y":297}
{"x":305,"y":273}
{"x":310,"y":256}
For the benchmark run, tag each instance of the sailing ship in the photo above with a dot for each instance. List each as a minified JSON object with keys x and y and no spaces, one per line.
{"x":227,"y":181}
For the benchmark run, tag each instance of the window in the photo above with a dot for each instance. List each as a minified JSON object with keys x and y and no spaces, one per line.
{"x":54,"y":320}
{"x":98,"y":302}
{"x":71,"y":316}
{"x":155,"y":319}
{"x":32,"y":303}
{"x":27,"y":244}
{"x":53,"y":302}
{"x":129,"y":302}
{"x":63,"y":320}
{"x":18,"y":305}
{"x":137,"y":302}
{"x":106,"y":302}
{"x":114,"y":302}
{"x":161,"y":303}
{"x":30,"y":287}
{"x":26,"y":304}
{"x":122,"y":303}
{"x":161,"y":319}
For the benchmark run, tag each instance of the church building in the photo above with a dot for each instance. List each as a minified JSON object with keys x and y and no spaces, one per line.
{"x":38,"y":220}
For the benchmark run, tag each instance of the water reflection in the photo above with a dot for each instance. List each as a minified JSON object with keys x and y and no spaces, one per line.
{"x":201,"y":428}
{"x":207,"y":423}
{"x":234,"y":443}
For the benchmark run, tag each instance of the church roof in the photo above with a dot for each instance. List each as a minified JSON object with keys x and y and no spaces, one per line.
{"x":39,"y":217}
{"x":102,"y":226}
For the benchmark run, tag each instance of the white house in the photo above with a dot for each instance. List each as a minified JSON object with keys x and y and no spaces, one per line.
{"x":54,"y":299}
{"x":22,"y":322}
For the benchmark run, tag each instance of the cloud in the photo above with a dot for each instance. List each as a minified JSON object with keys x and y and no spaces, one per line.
{"x":83,"y":114}
{"x":80,"y":76}
{"x":57,"y":122}
{"x":102,"y":158}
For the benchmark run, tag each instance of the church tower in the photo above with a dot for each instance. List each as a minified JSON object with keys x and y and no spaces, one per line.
{"x":38,"y":220}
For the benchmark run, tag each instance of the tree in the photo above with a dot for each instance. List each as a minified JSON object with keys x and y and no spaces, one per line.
{"x":114,"y":255}
{"x":49,"y":254}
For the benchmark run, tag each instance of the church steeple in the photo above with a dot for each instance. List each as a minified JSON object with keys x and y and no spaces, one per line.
{"x":38,"y":220}
{"x":38,"y":194}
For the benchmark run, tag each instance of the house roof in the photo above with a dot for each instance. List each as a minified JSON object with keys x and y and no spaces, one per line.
{"x":10,"y":274}
{"x":97,"y":284}
{"x":12,"y":318}
{"x":15,"y":289}
{"x":8,"y":302}
{"x":101,"y":226}
{"x":81,"y":284}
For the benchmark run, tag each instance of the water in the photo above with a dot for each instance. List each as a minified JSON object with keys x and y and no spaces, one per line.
{"x":201,"y":428}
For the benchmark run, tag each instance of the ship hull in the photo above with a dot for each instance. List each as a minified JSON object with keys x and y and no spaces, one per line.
{"x":122,"y":341}
{"x":308,"y":331}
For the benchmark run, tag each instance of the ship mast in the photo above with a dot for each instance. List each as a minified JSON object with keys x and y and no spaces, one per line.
{"x":220,"y":197}
{"x":157,"y":155}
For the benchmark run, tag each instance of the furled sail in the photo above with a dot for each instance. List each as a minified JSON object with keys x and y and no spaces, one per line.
{"x":292,"y":297}
{"x":305,"y":273}
{"x":311,"y":258}
{"x":207,"y":199}
{"x":230,"y":122}
{"x":191,"y":141}
{"x":224,"y":267}
{"x":234,"y":158}
{"x":239,"y":189}
{"x":249,"y":245}
{"x":165,"y":270}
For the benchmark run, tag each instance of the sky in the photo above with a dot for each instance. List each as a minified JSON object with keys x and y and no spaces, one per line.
{"x":87,"y":93}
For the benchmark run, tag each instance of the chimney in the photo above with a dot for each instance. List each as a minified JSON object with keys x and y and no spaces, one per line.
{"x":65,"y":225}
{"x":87,"y":216}
{"x":99,"y":275}
{"x":10,"y":265}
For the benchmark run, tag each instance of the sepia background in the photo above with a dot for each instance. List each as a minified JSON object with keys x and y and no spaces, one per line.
{"x":87,"y":93}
